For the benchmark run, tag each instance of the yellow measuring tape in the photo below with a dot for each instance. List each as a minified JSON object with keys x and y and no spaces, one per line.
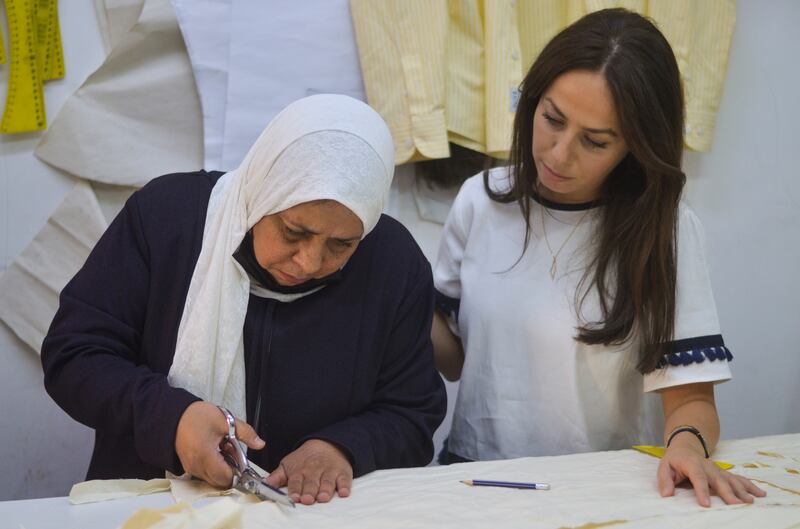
{"x":48,"y":38}
{"x":35,"y":56}
{"x":2,"y":49}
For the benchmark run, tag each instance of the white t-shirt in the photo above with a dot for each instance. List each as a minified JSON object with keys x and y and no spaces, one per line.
{"x":528,"y":388}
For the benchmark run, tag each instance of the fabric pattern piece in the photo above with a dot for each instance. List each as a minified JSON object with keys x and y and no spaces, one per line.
{"x":102,"y":490}
{"x":142,"y":105}
{"x":29,"y":288}
{"x":116,"y":18}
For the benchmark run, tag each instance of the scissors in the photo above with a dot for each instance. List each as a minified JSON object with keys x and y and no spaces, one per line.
{"x":245,"y":478}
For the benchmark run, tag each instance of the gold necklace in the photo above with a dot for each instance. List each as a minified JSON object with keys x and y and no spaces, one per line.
{"x":554,"y":264}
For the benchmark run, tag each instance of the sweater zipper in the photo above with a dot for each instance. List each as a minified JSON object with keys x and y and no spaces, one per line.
{"x":263,"y":365}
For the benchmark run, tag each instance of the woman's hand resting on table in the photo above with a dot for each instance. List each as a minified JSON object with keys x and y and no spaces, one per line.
{"x":682,"y":461}
{"x":314,"y":472}
{"x":200,"y":431}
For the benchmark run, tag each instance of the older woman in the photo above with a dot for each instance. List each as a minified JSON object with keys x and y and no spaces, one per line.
{"x":277,"y":290}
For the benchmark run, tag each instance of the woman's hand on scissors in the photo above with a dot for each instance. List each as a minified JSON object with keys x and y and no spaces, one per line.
{"x":314,"y":472}
{"x":200,"y":431}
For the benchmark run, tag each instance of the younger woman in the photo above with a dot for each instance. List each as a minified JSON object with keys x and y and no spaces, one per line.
{"x":575,"y":280}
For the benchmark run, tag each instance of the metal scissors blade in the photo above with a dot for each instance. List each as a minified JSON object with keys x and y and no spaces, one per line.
{"x":255,"y":484}
{"x":245,"y":478}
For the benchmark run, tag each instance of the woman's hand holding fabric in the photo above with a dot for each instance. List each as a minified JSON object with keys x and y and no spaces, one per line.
{"x":683,"y":461}
{"x":314,"y":472}
{"x":200,"y":431}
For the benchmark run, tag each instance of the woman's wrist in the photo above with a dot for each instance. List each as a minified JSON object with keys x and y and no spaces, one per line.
{"x":688,"y":436}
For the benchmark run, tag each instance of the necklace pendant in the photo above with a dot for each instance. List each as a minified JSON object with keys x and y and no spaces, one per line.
{"x":553,"y":269}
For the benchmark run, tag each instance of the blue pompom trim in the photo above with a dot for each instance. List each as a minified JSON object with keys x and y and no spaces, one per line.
{"x":696,"y":356}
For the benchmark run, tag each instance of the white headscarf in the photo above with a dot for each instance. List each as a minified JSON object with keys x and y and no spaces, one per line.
{"x":320,"y":147}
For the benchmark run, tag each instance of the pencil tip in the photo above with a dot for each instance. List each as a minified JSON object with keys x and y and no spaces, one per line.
{"x":467,"y":482}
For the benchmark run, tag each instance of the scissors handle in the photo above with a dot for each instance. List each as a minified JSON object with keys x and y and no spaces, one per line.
{"x":230,"y":420}
{"x":238,"y":456}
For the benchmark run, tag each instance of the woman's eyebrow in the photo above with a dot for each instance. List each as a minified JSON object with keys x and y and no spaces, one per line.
{"x":299,"y":227}
{"x":595,"y":131}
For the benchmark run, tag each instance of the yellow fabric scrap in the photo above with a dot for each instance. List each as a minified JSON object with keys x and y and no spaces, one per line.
{"x":223,"y":514}
{"x":149,"y":517}
{"x":770,"y":454}
{"x":593,"y":525}
{"x":658,"y":451}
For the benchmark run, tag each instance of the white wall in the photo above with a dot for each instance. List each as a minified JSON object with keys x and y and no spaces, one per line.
{"x":746,"y":191}
{"x":43,"y":451}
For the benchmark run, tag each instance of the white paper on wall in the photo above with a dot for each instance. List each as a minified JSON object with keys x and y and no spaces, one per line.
{"x":206,"y":28}
{"x":278,"y":55}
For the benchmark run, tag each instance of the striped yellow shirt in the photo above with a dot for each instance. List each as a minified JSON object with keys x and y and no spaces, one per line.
{"x":401,"y":46}
{"x":448,"y":70}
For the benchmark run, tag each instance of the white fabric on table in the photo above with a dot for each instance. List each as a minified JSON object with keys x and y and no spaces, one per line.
{"x":594,"y":488}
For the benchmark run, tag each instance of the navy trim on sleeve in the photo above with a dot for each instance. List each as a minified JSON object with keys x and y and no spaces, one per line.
{"x":447,"y":305}
{"x":696,"y":351}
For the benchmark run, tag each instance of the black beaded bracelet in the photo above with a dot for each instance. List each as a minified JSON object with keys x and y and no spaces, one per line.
{"x":692,"y":429}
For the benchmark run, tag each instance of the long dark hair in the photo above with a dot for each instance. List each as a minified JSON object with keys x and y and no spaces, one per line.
{"x":635,"y":240}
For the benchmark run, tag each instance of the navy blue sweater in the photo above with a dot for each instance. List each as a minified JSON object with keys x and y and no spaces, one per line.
{"x":351,"y":364}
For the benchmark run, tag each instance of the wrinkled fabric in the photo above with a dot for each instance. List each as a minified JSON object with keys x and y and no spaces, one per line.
{"x":29,"y":288}
{"x":602,"y":489}
{"x":104,"y":490}
{"x":138,"y":115}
